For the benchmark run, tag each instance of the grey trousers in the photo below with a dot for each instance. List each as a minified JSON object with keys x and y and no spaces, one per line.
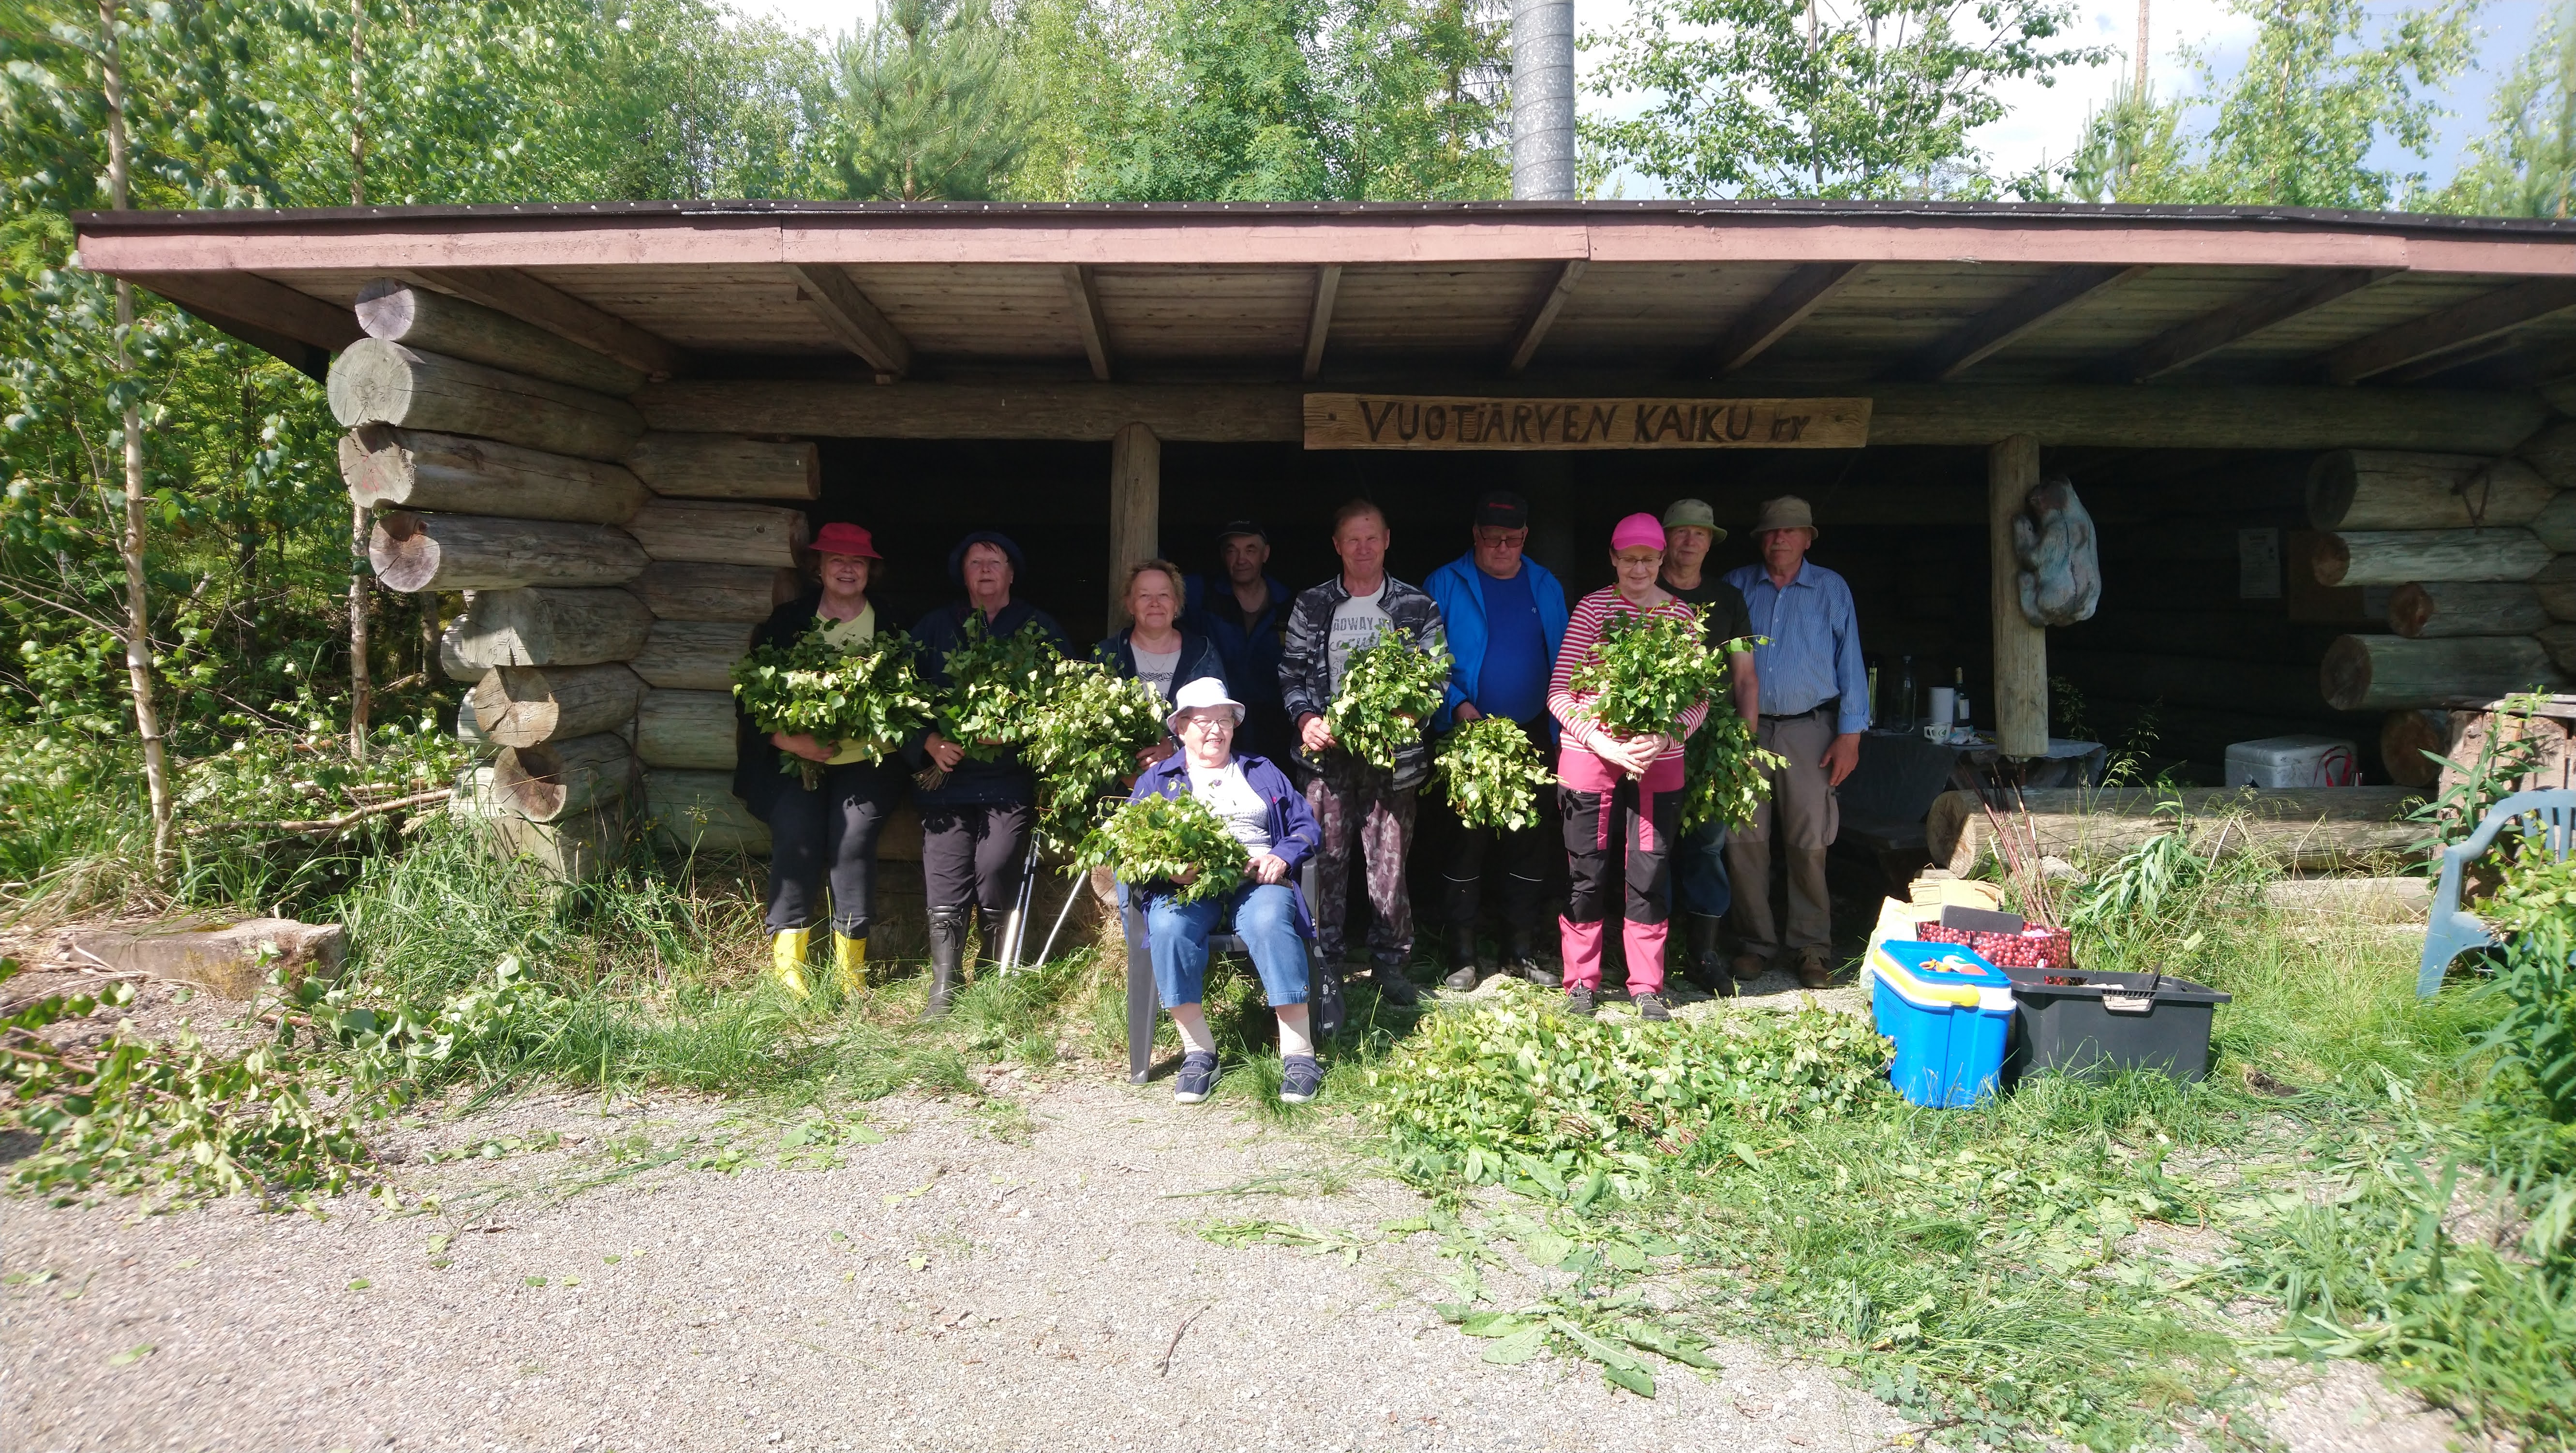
{"x":1804,"y":815}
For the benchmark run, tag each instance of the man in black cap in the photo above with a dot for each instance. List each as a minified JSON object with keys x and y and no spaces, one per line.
{"x":1245,"y":612}
{"x":1506,"y":615}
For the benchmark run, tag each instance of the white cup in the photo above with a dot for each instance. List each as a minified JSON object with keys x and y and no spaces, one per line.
{"x":1945,"y":706}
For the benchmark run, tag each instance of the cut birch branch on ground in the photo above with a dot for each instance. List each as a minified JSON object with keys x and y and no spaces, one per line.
{"x":2401,"y":557}
{"x":686,"y":729}
{"x":529,"y":706}
{"x":675,"y":590}
{"x":693,"y":655}
{"x":2373,"y":489}
{"x":546,"y":783}
{"x":433,"y":322}
{"x":412,"y":469}
{"x":711,"y":533}
{"x":414,"y":552}
{"x":2465,"y":608}
{"x":697,"y":811}
{"x":727,"y":466}
{"x":375,"y":382}
{"x":2388,"y":673}
{"x":2308,"y":828}
{"x":547,"y":626}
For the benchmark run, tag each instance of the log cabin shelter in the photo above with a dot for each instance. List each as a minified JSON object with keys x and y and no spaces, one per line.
{"x":2291,"y":427}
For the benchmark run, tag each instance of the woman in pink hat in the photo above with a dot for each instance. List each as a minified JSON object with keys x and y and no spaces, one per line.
{"x":1628,"y":785}
{"x":829,"y":830}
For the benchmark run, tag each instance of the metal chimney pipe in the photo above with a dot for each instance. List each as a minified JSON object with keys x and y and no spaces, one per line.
{"x":1543,"y":100}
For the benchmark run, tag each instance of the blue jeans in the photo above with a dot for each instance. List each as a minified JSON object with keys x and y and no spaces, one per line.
{"x":1699,"y":871}
{"x":1265,"y":916}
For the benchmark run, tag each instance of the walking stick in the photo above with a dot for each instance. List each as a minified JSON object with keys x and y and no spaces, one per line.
{"x":1015,"y":924}
{"x":1072,"y":888}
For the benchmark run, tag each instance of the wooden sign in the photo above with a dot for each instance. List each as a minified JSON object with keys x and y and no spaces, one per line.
{"x":1400,"y":421}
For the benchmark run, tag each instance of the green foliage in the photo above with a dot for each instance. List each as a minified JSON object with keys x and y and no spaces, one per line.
{"x":2526,"y":166}
{"x":1082,"y":742}
{"x":1175,"y":840}
{"x":2533,"y":1039}
{"x":932,"y":104}
{"x":1775,"y":98}
{"x":1724,"y":770}
{"x":2508,"y":752}
{"x":994,"y":686}
{"x":1492,"y":774}
{"x":869,"y":697}
{"x":1647,"y":671}
{"x":1388,"y":690}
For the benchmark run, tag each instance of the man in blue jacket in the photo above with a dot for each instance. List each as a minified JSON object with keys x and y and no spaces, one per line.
{"x":1506,"y":616}
{"x":1244,"y":610}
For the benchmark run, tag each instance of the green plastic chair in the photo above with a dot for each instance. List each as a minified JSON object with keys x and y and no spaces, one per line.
{"x":2454,"y":930}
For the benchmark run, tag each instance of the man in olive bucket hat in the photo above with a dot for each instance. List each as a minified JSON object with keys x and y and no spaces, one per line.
{"x":1699,"y":864}
{"x":1814,"y":706}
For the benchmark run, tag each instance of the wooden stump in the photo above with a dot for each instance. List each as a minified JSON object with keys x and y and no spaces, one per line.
{"x":727,"y":466}
{"x":686,"y":729}
{"x":390,"y":468}
{"x":2372,"y":489}
{"x":559,"y":779}
{"x":433,"y":322}
{"x":2401,"y":557}
{"x":528,"y":706}
{"x":416,"y":552}
{"x":2387,"y":673}
{"x":2404,"y":738}
{"x":375,"y":382}
{"x":693,"y":655}
{"x":542,"y":626}
{"x":2465,"y":608}
{"x":676,"y":590}
{"x":720,"y":534}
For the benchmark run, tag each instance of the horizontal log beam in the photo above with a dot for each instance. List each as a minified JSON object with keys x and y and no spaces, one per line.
{"x":508,"y":290}
{"x":1929,"y":414}
{"x":255,"y":300}
{"x":2474,"y":321}
{"x":399,"y":310}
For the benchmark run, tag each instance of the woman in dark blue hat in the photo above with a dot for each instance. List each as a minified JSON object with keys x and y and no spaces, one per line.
{"x":976,"y":816}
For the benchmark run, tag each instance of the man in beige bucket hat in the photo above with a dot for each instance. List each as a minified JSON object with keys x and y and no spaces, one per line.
{"x":1815,"y":704}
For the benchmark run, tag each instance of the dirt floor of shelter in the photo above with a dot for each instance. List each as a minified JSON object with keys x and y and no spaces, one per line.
{"x":1030,"y":1270}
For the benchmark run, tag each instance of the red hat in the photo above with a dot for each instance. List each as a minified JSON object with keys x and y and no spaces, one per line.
{"x":842,"y":538}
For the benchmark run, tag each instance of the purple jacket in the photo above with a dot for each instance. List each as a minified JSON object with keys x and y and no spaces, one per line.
{"x":1294,"y":836}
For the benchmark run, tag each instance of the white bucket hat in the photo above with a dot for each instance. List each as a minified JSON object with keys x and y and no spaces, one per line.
{"x":1199,"y":695}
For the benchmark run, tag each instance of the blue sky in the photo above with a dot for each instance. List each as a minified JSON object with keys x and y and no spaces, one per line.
{"x":2045,"y":120}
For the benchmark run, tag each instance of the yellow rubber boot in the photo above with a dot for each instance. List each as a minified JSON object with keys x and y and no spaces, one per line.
{"x":850,"y":963}
{"x":787,"y":959}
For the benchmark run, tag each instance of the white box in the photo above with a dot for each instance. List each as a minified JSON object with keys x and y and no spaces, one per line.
{"x":2295,"y":761}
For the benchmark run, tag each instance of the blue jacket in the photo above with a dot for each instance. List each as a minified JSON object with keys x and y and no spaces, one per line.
{"x":1294,"y":837}
{"x":1199,"y":658}
{"x":1458,"y":589}
{"x":1251,"y":657}
{"x":1003,"y":779}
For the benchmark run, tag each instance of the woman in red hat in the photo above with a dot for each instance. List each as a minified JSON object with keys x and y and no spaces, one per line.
{"x":829,"y":830}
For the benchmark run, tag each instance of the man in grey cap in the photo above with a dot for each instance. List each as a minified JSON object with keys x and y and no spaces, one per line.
{"x":1699,"y":864}
{"x":1814,"y":706}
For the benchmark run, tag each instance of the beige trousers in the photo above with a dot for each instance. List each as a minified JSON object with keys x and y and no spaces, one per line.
{"x":1803,"y":807}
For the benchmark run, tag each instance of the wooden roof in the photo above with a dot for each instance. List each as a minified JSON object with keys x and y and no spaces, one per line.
{"x":1758,"y":293}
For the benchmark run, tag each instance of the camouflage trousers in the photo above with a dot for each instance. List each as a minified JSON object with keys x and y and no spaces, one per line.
{"x":1352,"y":799}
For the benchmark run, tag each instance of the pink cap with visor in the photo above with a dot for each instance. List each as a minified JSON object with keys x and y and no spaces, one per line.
{"x":1637,"y":530}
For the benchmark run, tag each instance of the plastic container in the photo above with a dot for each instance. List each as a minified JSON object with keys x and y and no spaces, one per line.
{"x":2293,"y":761}
{"x":2093,"y":1025}
{"x":1950,"y":1013}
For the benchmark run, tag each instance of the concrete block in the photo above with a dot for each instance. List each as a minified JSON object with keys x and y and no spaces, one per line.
{"x":231,"y":959}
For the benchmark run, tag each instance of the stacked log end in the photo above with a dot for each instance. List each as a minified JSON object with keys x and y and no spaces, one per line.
{"x":2481,"y":555}
{"x":614,"y":576}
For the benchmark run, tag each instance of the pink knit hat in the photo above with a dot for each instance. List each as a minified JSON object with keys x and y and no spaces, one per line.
{"x":1637,"y":530}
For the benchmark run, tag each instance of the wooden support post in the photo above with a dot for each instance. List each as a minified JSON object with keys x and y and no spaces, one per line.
{"x":1135,"y":509}
{"x":2021,"y":649}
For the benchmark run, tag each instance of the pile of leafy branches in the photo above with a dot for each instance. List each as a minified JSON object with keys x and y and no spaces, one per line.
{"x":994,"y":685}
{"x":1493,"y":774}
{"x":1647,"y":671}
{"x":1725,"y":771}
{"x":1523,"y":1090}
{"x":1388,"y":690}
{"x":1082,"y":742}
{"x":869,"y":697}
{"x":1159,"y":839}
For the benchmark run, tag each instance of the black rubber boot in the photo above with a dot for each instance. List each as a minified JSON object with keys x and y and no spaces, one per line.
{"x":995,"y":924}
{"x":1520,"y":956}
{"x":1462,"y":957}
{"x":1700,"y":962}
{"x":947,"y":948}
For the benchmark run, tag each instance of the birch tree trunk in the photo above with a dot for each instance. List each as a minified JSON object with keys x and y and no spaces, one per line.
{"x":360,"y":689}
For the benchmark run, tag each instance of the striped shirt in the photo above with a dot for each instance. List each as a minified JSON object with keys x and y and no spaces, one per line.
{"x":1582,"y":647}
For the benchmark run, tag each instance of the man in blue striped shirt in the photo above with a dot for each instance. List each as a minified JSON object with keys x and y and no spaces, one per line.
{"x":1815,"y":704}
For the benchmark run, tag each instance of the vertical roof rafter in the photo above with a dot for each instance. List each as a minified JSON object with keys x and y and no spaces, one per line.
{"x":855,"y":320}
{"x":2016,"y":317}
{"x":1085,"y":298}
{"x":2180,"y":347}
{"x":1808,"y":287}
{"x":1533,"y":330}
{"x":1319,"y":322}
{"x":2486,"y":316}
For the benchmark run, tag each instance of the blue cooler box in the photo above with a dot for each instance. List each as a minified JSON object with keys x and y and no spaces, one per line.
{"x":1950,"y":1013}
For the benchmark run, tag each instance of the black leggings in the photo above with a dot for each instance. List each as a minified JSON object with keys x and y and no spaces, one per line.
{"x":972,"y":853}
{"x":1592,"y":821}
{"x":831,"y":829}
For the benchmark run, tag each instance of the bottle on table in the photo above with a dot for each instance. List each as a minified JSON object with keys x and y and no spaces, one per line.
{"x":1904,"y":714}
{"x":1959,"y":693}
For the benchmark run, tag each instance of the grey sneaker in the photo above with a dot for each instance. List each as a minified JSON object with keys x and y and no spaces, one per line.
{"x":1651,"y":1006}
{"x":1461,"y":979}
{"x":1196,"y":1079}
{"x":1578,"y":1000}
{"x":1301,"y":1079}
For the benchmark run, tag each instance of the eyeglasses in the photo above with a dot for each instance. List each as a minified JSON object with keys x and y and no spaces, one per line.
{"x":1497,"y":535}
{"x":1206,"y":723}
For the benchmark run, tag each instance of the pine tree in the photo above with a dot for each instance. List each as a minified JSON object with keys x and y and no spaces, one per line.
{"x":931,"y":104}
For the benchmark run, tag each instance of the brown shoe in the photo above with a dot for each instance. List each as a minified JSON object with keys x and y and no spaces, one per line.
{"x":1749,"y":967}
{"x":1813,"y":971}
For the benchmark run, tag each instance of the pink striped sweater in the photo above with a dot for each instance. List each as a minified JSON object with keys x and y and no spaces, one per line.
{"x":1582,"y":646}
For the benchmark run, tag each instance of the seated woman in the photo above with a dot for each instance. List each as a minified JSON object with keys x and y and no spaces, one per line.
{"x":1269,"y":817}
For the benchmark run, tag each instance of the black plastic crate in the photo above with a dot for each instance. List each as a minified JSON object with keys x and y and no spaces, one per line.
{"x":2094,"y":1025}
